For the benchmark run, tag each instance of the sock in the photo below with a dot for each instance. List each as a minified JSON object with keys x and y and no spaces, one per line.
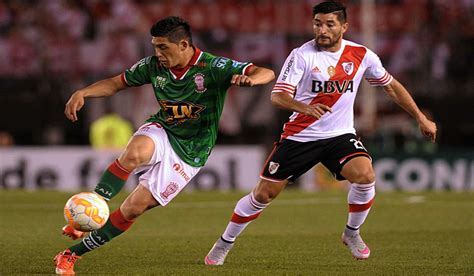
{"x":360,"y":199}
{"x":112,"y":180}
{"x":246,"y":210}
{"x":116,"y":225}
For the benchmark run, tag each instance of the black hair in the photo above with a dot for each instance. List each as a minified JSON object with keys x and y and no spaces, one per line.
{"x":331,"y":7}
{"x":174,"y":28}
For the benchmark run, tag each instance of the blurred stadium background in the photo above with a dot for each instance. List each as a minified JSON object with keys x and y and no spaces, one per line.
{"x":50,"y":48}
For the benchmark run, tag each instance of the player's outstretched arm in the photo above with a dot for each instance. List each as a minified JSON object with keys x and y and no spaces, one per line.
{"x":103,"y":88}
{"x":403,"y":98}
{"x":256,"y":76}
{"x":285,"y":101}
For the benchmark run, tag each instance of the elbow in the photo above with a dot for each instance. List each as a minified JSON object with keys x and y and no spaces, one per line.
{"x":271,"y":75}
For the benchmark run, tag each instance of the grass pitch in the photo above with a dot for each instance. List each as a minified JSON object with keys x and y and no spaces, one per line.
{"x":299,"y":234}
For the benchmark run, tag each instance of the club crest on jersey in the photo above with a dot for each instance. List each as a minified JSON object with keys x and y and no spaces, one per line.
{"x":331,"y":71}
{"x":348,"y":67}
{"x":199,"y":83}
{"x":273,"y":167}
{"x":179,"y":112}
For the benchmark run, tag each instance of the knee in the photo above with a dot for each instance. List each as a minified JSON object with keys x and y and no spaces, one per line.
{"x":136,"y":155}
{"x":364,"y":177}
{"x":265,"y":194}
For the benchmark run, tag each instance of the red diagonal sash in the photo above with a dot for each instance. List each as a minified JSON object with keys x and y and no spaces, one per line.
{"x":350,"y":54}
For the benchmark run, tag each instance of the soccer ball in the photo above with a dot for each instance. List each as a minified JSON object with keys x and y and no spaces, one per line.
{"x":86,"y":211}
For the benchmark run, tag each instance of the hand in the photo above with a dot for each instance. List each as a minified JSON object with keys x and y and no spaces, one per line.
{"x":316,"y":110}
{"x":428,"y":129}
{"x":74,"y":104}
{"x":241,"y":80}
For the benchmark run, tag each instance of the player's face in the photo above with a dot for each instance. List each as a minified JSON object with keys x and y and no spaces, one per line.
{"x":169,"y":54}
{"x":328,"y":30}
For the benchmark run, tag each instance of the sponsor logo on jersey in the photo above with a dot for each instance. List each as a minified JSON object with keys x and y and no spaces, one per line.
{"x":170,"y":189}
{"x":236,"y":64}
{"x":199,"y":83}
{"x":180,"y":112}
{"x":273,"y":167}
{"x":219,"y":62}
{"x":332,"y":86}
{"x":348,"y":67}
{"x":181,"y":172}
{"x":331,"y":71}
{"x":288,"y":68}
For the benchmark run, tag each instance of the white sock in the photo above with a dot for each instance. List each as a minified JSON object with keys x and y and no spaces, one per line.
{"x":246,"y":210}
{"x":360,"y":199}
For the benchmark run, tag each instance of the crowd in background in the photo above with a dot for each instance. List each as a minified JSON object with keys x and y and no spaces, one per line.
{"x":51,"y":48}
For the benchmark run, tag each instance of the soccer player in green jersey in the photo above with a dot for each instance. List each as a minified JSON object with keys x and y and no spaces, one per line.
{"x":172,"y":146}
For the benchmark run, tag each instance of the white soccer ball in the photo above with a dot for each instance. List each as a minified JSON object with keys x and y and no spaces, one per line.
{"x":86,"y":211}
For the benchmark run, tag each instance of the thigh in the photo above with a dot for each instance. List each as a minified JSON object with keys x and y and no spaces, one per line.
{"x":290,"y":159}
{"x":340,"y":150}
{"x":150,"y":138}
{"x":168,"y":177}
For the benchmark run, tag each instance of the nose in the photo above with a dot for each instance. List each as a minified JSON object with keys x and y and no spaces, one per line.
{"x":158,"y":53}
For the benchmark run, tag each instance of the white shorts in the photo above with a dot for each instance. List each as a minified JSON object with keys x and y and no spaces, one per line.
{"x":166,"y":174}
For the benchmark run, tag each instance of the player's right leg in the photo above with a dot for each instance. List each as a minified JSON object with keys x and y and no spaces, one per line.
{"x":248,"y":208}
{"x":288,"y":160}
{"x":119,"y":221}
{"x":140,"y":150}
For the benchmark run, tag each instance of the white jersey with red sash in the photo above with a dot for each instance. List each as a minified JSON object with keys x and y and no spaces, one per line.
{"x":313,"y":76}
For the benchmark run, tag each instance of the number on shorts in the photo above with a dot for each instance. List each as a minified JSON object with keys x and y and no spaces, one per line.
{"x":358,"y":144}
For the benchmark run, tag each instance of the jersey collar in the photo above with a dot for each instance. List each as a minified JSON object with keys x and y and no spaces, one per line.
{"x":179,"y":73}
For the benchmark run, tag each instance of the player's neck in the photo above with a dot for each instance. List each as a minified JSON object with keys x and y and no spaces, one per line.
{"x":187,"y":57}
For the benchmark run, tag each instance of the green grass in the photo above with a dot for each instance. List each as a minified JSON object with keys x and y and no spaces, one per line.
{"x":299,"y":234}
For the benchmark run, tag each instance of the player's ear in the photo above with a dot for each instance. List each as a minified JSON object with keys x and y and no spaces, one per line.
{"x":183,"y":44}
{"x":345,"y":26}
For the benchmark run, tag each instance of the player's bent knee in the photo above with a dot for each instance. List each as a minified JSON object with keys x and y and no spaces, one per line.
{"x":137,"y":153}
{"x":364,"y":177}
{"x":267,"y":191}
{"x":263,"y":197}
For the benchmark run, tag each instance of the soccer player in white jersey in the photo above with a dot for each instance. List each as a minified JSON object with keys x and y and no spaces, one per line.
{"x":319,"y":83}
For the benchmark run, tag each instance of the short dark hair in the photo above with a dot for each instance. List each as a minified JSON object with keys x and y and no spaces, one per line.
{"x":174,"y":28}
{"x":331,"y":7}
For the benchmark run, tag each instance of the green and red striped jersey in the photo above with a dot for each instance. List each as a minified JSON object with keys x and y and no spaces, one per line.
{"x":191,"y":100}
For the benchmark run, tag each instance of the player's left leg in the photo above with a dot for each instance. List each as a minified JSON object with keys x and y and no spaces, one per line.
{"x":359,"y":172}
{"x":119,"y":221}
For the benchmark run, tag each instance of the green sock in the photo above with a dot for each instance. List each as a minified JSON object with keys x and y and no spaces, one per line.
{"x":112,"y":181}
{"x":115,"y":226}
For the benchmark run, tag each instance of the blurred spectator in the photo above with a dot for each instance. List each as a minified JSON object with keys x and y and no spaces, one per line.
{"x":110,"y":131}
{"x":61,"y":43}
{"x":6,"y":139}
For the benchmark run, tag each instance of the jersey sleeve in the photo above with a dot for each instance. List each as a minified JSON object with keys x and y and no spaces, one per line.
{"x":226,"y":68}
{"x":291,"y":74}
{"x":376,"y":74}
{"x":139,"y":73}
